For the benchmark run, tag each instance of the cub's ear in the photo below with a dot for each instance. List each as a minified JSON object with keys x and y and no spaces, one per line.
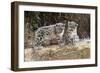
{"x":57,"y":24}
{"x":69,"y":23}
{"x":76,"y":24}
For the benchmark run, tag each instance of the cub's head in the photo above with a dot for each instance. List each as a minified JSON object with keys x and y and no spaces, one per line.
{"x":72,"y":25}
{"x":59,"y":27}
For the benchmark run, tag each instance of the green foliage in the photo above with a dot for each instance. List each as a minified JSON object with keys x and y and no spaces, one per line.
{"x":32,"y":19}
{"x":33,"y":24}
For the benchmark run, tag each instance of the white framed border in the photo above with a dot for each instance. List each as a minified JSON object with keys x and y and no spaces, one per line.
{"x":34,"y":64}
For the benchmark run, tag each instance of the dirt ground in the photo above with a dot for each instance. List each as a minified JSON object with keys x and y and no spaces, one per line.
{"x":81,"y":50}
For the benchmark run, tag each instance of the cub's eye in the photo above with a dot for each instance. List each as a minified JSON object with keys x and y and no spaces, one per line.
{"x":47,"y":34}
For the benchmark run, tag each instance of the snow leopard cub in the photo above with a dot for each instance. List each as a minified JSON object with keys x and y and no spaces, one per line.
{"x":47,"y":35}
{"x":71,"y":35}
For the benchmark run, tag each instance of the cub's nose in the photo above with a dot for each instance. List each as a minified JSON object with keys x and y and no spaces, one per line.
{"x":70,"y":29}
